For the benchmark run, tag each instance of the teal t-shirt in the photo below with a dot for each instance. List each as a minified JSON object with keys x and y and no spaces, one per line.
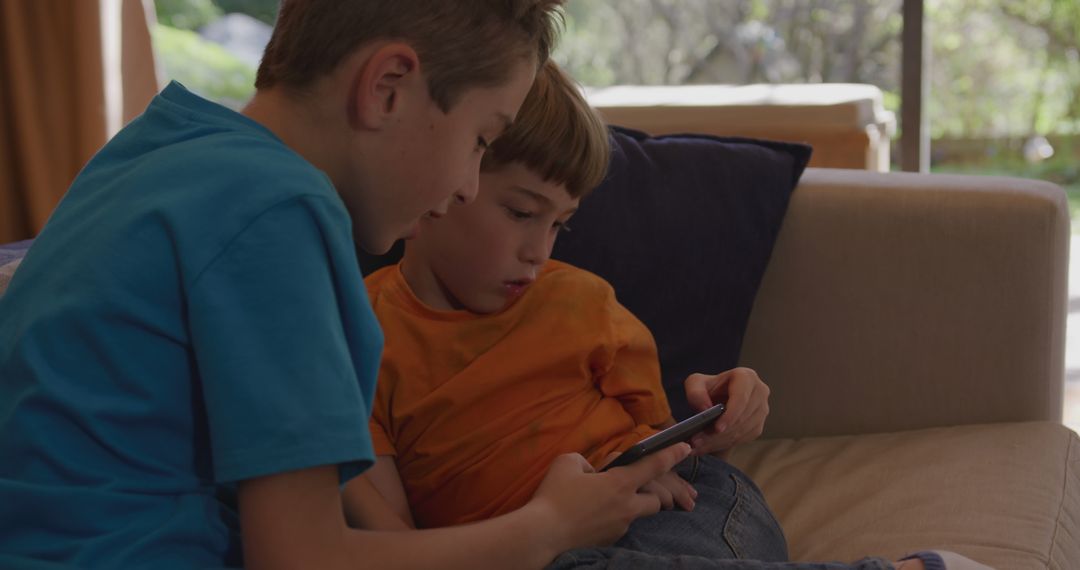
{"x":192,"y":315}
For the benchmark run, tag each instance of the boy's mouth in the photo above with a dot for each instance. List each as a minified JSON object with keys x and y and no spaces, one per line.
{"x":516,"y":287}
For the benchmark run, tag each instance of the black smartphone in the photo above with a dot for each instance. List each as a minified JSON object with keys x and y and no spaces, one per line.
{"x":681,"y":431}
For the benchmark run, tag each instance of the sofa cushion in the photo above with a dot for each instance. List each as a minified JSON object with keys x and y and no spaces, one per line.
{"x":1007,"y":495}
{"x":11,"y":255}
{"x":682,"y":228}
{"x":11,"y":251}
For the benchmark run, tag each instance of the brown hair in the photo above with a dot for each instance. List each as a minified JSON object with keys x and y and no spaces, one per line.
{"x":556,"y":134}
{"x":460,"y":45}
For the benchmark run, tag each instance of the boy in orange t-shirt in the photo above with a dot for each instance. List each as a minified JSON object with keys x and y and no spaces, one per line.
{"x":498,"y":359}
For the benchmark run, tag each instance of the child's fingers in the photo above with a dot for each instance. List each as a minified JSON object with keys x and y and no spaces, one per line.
{"x":648,"y":468}
{"x":741,"y":386}
{"x":667,"y":498}
{"x":690,"y":489}
{"x":684,"y":493}
{"x":699,"y":389}
{"x":752,"y":426}
{"x":747,"y":403}
{"x":645,"y":504}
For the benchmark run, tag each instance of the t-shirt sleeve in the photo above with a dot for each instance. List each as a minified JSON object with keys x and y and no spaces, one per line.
{"x":283,"y":347}
{"x":380,"y":438}
{"x":380,"y":424}
{"x":633,"y":373}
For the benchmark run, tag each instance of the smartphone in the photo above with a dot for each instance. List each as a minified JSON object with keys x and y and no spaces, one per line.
{"x":681,"y":431}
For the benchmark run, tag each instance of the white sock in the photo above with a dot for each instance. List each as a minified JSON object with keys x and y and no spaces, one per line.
{"x":948,"y":561}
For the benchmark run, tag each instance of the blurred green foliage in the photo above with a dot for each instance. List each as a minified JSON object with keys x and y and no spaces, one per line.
{"x":995,"y":68}
{"x":186,"y":14}
{"x":1062,"y":169}
{"x":203,"y":66}
{"x":265,"y":10}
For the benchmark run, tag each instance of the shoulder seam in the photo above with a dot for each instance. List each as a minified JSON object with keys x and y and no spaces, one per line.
{"x":224,"y":248}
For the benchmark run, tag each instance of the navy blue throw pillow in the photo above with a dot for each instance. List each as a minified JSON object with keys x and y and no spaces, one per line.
{"x":682,"y":228}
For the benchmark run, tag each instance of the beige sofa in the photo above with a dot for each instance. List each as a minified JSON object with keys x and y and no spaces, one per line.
{"x":912,"y":330}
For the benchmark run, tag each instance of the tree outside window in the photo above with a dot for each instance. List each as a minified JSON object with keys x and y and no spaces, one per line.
{"x":213,"y":46}
{"x":1003,"y":75}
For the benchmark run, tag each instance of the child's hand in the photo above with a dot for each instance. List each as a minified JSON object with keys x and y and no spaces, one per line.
{"x":592,"y":509}
{"x":672,"y":490}
{"x":747,"y":401}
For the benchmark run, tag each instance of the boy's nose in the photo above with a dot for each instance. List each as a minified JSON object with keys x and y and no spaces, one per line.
{"x":536,"y":252}
{"x":467,"y":192}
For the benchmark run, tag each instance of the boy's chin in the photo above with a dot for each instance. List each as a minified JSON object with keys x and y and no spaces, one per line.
{"x":411,"y":232}
{"x":374,"y":245}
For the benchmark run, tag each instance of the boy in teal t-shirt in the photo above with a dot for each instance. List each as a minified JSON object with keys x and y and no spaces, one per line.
{"x":183,"y":352}
{"x":176,"y":326}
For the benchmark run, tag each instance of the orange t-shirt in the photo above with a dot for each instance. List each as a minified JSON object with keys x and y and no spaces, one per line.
{"x":475,"y":407}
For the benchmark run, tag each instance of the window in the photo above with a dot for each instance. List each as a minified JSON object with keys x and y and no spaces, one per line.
{"x":1005,"y":89}
{"x":213,"y":47}
{"x":1003,"y":76}
{"x":673,"y":42}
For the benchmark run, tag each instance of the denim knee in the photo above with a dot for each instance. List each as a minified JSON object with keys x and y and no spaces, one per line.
{"x":730,"y":521}
{"x":752,"y":531}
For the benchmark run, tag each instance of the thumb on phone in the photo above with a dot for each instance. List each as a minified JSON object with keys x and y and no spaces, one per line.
{"x":608,"y":459}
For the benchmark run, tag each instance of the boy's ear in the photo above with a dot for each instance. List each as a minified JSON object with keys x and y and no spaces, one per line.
{"x":389,"y":74}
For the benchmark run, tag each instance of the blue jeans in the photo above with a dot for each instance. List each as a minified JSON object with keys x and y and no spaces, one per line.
{"x":730,"y":528}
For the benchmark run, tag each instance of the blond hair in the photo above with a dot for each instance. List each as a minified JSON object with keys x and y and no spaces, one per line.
{"x":460,"y":45}
{"x":556,"y":134}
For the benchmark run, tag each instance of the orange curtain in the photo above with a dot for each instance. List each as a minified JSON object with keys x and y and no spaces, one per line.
{"x":71,"y":73}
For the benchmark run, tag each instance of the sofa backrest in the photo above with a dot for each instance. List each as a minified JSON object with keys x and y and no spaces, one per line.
{"x":897,"y":301}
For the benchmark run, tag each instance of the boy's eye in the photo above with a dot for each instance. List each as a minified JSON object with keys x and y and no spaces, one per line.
{"x":518,"y":214}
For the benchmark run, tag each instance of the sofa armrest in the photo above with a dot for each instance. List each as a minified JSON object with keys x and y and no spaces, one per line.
{"x":900,"y":301}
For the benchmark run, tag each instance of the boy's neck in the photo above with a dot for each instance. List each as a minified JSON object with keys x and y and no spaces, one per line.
{"x":423,"y":283}
{"x":304,"y":127}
